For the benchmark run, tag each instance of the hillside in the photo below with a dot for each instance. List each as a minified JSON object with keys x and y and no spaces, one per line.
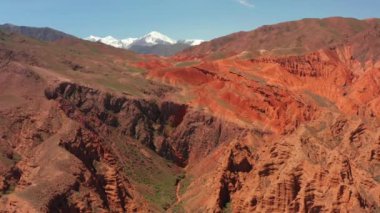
{"x":87,"y":127}
{"x":43,"y":34}
{"x":160,"y":49}
{"x":289,"y":38}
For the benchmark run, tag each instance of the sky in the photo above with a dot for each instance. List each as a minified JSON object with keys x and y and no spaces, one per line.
{"x":179,"y":19}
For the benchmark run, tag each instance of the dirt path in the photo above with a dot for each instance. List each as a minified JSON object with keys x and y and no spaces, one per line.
{"x":177,"y":192}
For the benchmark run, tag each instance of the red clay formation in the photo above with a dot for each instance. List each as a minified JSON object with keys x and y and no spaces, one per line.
{"x":281,"y":119}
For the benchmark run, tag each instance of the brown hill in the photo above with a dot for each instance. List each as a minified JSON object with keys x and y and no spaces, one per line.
{"x":42,"y":34}
{"x":289,"y":38}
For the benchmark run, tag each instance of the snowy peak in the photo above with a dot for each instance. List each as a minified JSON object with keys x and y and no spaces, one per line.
{"x":148,"y":41}
{"x":93,"y":38}
{"x":154,"y":38}
{"x":128,"y":42}
{"x":191,"y":42}
{"x":109,"y":40}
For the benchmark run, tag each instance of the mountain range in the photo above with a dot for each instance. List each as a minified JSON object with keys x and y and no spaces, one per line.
{"x":151,"y":43}
{"x":282,"y":118}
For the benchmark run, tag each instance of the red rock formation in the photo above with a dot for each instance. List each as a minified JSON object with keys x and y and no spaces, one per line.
{"x":282,"y":132}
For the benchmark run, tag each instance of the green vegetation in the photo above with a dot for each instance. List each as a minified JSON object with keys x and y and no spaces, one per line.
{"x":256,"y":78}
{"x":16,"y":158}
{"x":322,"y":24}
{"x":185,"y":98}
{"x":321,"y":101}
{"x":223,"y":103}
{"x":185,"y":183}
{"x":186,"y":63}
{"x":288,"y":51}
{"x":96,"y":164}
{"x":169,"y":129}
{"x":217,"y":56}
{"x":155,"y":177}
{"x":227,"y":208}
{"x":247,"y":56}
{"x":11,"y":100}
{"x":5,"y":161}
{"x":11,"y":188}
{"x":9,"y":161}
{"x":114,"y":84}
{"x":178,"y":208}
{"x":135,"y":69}
{"x":317,"y":129}
{"x":169,"y":126}
{"x":356,"y":25}
{"x":249,"y":76}
{"x":377,"y":178}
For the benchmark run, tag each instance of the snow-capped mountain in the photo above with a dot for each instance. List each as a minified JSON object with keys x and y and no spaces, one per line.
{"x":151,"y":43}
{"x":192,"y":42}
{"x":154,"y":38}
{"x":109,"y":40}
{"x":128,"y":42}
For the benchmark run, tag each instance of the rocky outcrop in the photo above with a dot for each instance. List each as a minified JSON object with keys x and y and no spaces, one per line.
{"x":301,"y":172}
{"x":225,"y":93}
{"x":311,"y":65}
{"x":238,"y":165}
{"x":113,"y":189}
{"x":172,"y":130}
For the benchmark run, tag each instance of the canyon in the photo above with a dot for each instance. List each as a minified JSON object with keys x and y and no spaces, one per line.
{"x":283,"y":118}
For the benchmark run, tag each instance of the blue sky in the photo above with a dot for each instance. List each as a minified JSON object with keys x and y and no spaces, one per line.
{"x":203,"y":19}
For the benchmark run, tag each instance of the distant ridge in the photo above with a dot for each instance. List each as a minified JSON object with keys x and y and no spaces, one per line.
{"x":287,"y":38}
{"x":43,"y":34}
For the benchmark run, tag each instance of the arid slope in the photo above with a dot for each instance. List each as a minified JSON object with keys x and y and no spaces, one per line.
{"x":85,"y":127}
